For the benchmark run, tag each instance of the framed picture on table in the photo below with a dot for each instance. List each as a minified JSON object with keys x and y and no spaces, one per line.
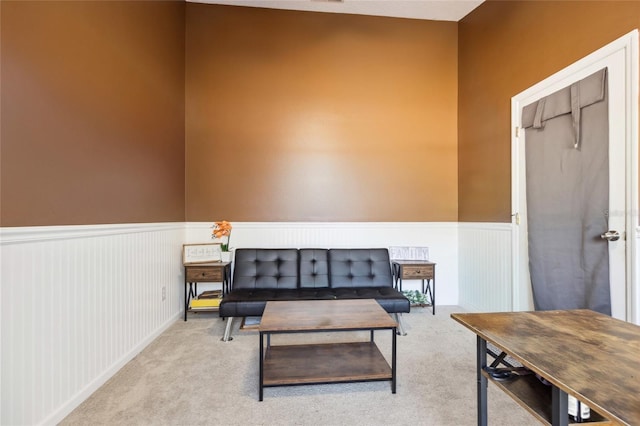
{"x":200,"y":253}
{"x":409,"y":253}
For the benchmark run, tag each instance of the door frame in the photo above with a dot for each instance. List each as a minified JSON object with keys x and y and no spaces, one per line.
{"x":628,"y":46}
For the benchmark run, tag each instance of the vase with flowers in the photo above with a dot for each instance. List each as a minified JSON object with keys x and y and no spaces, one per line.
{"x":222,"y":231}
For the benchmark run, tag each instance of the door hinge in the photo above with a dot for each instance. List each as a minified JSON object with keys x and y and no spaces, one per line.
{"x":516,"y":217}
{"x":517,"y":130}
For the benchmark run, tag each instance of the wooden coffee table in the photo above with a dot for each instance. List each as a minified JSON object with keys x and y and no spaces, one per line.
{"x":306,"y":364}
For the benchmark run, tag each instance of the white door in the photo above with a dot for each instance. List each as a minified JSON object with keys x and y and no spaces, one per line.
{"x":620,"y":57}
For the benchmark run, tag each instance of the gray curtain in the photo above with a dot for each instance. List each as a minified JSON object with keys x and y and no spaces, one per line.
{"x":567,"y":161}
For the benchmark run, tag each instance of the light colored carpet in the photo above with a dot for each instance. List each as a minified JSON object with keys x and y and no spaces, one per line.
{"x":187,"y":376}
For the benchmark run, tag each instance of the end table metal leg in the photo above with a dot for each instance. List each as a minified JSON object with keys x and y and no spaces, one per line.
{"x":430,"y":290}
{"x":188,"y":295}
{"x":433,"y":297}
{"x":186,"y":301}
{"x":482,"y":381}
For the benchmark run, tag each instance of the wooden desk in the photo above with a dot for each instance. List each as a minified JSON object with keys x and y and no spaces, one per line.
{"x":417,"y":270}
{"x":583,"y":353}
{"x":194,"y":273}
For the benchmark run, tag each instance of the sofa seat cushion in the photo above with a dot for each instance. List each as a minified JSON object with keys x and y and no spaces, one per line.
{"x":251,"y":302}
{"x":389,"y":298}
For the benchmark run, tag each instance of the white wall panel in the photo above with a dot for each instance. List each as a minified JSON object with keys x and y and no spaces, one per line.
{"x":485,"y":267}
{"x":77,"y":303}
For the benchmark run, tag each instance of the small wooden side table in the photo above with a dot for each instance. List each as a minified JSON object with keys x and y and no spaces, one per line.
{"x":194,"y":273}
{"x":417,"y":270}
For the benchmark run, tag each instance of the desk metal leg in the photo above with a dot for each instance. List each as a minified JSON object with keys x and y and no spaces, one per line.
{"x":482,"y":381}
{"x":559,"y":407}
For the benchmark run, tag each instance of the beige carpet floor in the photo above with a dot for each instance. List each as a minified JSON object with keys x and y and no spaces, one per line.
{"x":187,"y":376}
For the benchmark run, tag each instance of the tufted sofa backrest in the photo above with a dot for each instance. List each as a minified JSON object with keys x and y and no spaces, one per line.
{"x":360,"y":268}
{"x":314,"y":268}
{"x":311,"y":268}
{"x":265,"y":269}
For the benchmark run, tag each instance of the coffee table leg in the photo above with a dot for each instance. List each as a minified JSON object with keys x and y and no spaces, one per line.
{"x":261,"y":367}
{"x":393,"y":360}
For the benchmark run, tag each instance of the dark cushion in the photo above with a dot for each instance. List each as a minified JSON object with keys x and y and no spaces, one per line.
{"x":245,"y":302}
{"x":265,"y":269}
{"x":314,"y":270}
{"x":359,"y":268}
{"x":389,"y":298}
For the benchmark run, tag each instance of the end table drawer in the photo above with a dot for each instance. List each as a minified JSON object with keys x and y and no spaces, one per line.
{"x":204,"y":274}
{"x":420,"y":272}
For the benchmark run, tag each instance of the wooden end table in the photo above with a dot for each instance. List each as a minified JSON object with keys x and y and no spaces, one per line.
{"x":194,"y":273}
{"x":417,"y":270}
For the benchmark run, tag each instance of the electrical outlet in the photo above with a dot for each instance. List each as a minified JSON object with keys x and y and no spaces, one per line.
{"x":164,"y":293}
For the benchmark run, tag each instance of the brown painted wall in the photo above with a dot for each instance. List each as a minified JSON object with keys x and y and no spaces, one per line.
{"x":506,"y":47}
{"x":92,"y":105}
{"x":296,"y":116}
{"x":290,"y":115}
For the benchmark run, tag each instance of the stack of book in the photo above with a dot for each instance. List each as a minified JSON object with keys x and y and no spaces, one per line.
{"x":207,"y":300}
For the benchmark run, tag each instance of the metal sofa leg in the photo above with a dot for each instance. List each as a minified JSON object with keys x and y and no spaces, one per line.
{"x":227,"y":330}
{"x":398,"y":318}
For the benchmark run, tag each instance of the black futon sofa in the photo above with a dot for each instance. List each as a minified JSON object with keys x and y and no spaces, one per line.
{"x":260,"y":275}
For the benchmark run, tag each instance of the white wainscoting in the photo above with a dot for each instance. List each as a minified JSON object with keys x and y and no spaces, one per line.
{"x":77,"y":303}
{"x":440,"y":237}
{"x":485,"y":281}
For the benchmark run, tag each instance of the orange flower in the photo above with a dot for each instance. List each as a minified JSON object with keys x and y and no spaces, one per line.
{"x":222,"y":229}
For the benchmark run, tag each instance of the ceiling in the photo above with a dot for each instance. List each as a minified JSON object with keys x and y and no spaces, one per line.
{"x":438,"y":10}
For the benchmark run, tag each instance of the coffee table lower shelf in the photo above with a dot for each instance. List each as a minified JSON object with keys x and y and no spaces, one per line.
{"x":324,"y":363}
